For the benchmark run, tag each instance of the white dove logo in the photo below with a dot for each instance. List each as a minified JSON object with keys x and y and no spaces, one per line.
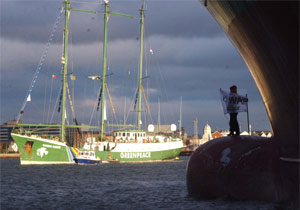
{"x":42,"y":151}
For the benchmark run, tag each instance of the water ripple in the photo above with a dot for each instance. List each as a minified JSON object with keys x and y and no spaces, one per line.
{"x":159,"y":185}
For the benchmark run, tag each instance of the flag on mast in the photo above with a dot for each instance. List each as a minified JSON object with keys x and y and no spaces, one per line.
{"x":151,"y":51}
{"x":28,"y":98}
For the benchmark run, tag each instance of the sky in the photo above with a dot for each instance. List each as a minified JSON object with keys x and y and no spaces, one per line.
{"x":192,"y":58}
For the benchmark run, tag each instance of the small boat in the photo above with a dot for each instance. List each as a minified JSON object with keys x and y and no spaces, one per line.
{"x":111,"y":161}
{"x":87,"y":158}
{"x":114,"y":161}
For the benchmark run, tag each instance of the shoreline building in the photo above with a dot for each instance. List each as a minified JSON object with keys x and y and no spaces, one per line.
{"x":206,"y":134}
{"x":6,"y":142}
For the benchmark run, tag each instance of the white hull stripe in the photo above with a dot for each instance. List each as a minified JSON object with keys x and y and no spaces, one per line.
{"x":40,"y":139}
{"x":27,"y":162}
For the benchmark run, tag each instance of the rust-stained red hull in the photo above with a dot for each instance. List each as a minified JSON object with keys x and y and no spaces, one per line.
{"x":244,"y":168}
{"x":266,"y":34}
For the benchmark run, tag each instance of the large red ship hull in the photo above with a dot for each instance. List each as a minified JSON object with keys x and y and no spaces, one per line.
{"x":266,"y":34}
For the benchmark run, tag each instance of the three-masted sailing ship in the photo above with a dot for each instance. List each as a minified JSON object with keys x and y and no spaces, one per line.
{"x":130,"y":145}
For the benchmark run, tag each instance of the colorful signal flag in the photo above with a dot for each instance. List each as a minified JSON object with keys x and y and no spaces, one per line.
{"x":151,"y":51}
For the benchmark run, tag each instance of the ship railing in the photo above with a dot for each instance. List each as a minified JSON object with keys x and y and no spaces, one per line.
{"x":51,"y":132}
{"x":145,"y":141}
{"x":46,"y":131}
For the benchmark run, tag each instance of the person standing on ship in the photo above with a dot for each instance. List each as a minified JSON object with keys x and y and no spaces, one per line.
{"x":233,"y":123}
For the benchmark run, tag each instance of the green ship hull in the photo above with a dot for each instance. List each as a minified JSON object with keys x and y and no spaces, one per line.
{"x":139,"y":156}
{"x":35,"y":150}
{"x":136,"y":152}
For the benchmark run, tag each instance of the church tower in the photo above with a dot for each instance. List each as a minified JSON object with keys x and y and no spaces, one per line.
{"x":206,"y":134}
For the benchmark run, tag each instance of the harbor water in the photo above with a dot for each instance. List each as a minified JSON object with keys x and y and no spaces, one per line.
{"x":156,"y":185}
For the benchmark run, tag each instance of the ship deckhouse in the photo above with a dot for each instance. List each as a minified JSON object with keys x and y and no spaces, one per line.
{"x":130,"y":136}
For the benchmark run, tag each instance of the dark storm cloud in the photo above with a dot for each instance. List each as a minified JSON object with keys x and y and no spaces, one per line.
{"x":34,"y":20}
{"x":192,"y":52}
{"x":204,"y":84}
{"x":28,"y":20}
{"x":192,"y":58}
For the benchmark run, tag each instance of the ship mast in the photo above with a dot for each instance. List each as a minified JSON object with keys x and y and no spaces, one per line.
{"x":140,"y":67}
{"x":106,"y":13}
{"x":106,"y":6}
{"x":64,"y":60}
{"x":180,"y":113}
